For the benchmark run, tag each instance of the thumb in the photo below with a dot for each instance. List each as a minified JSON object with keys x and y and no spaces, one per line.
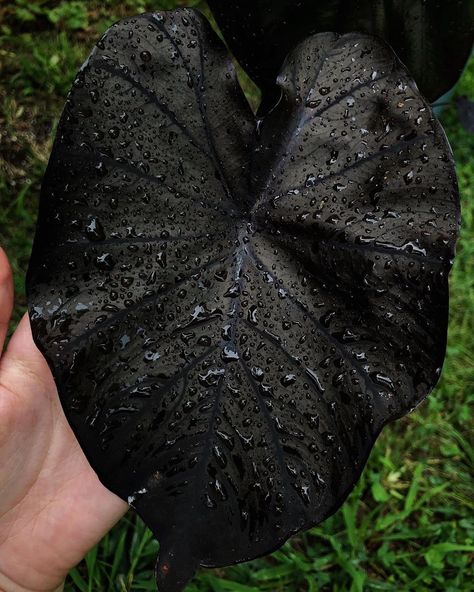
{"x":6,"y":296}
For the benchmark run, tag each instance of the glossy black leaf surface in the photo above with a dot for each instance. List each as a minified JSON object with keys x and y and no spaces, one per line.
{"x":432,"y":38}
{"x":234,"y":309}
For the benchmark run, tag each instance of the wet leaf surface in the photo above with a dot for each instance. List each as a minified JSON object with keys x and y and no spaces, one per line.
{"x":233,"y":308}
{"x":433,"y":39}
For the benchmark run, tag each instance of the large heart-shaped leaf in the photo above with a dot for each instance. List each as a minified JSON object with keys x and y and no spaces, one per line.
{"x":432,"y":38}
{"x":233,"y":309}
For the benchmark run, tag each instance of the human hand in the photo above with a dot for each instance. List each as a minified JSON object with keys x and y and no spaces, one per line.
{"x":53,"y":508}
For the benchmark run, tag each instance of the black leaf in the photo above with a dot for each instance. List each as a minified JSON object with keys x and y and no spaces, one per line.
{"x":433,"y":39}
{"x":465,"y":109}
{"x":233,"y":311}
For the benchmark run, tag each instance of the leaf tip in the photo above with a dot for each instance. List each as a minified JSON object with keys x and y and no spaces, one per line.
{"x":174,"y":570}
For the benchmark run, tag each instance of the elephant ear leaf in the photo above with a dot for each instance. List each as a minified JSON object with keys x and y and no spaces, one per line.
{"x":433,"y":39}
{"x":232,"y":309}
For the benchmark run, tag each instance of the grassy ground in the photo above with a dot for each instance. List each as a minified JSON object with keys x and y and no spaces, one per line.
{"x":409,"y":525}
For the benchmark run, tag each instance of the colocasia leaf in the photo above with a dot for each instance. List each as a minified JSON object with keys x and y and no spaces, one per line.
{"x":433,"y":38}
{"x":234,"y":309}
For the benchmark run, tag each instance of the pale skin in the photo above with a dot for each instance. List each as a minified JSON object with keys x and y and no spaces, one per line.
{"x":53,"y":508}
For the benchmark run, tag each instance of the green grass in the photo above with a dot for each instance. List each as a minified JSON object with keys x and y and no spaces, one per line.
{"x":409,"y":524}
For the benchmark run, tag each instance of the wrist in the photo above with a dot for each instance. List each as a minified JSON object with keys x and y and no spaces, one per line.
{"x":8,"y":585}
